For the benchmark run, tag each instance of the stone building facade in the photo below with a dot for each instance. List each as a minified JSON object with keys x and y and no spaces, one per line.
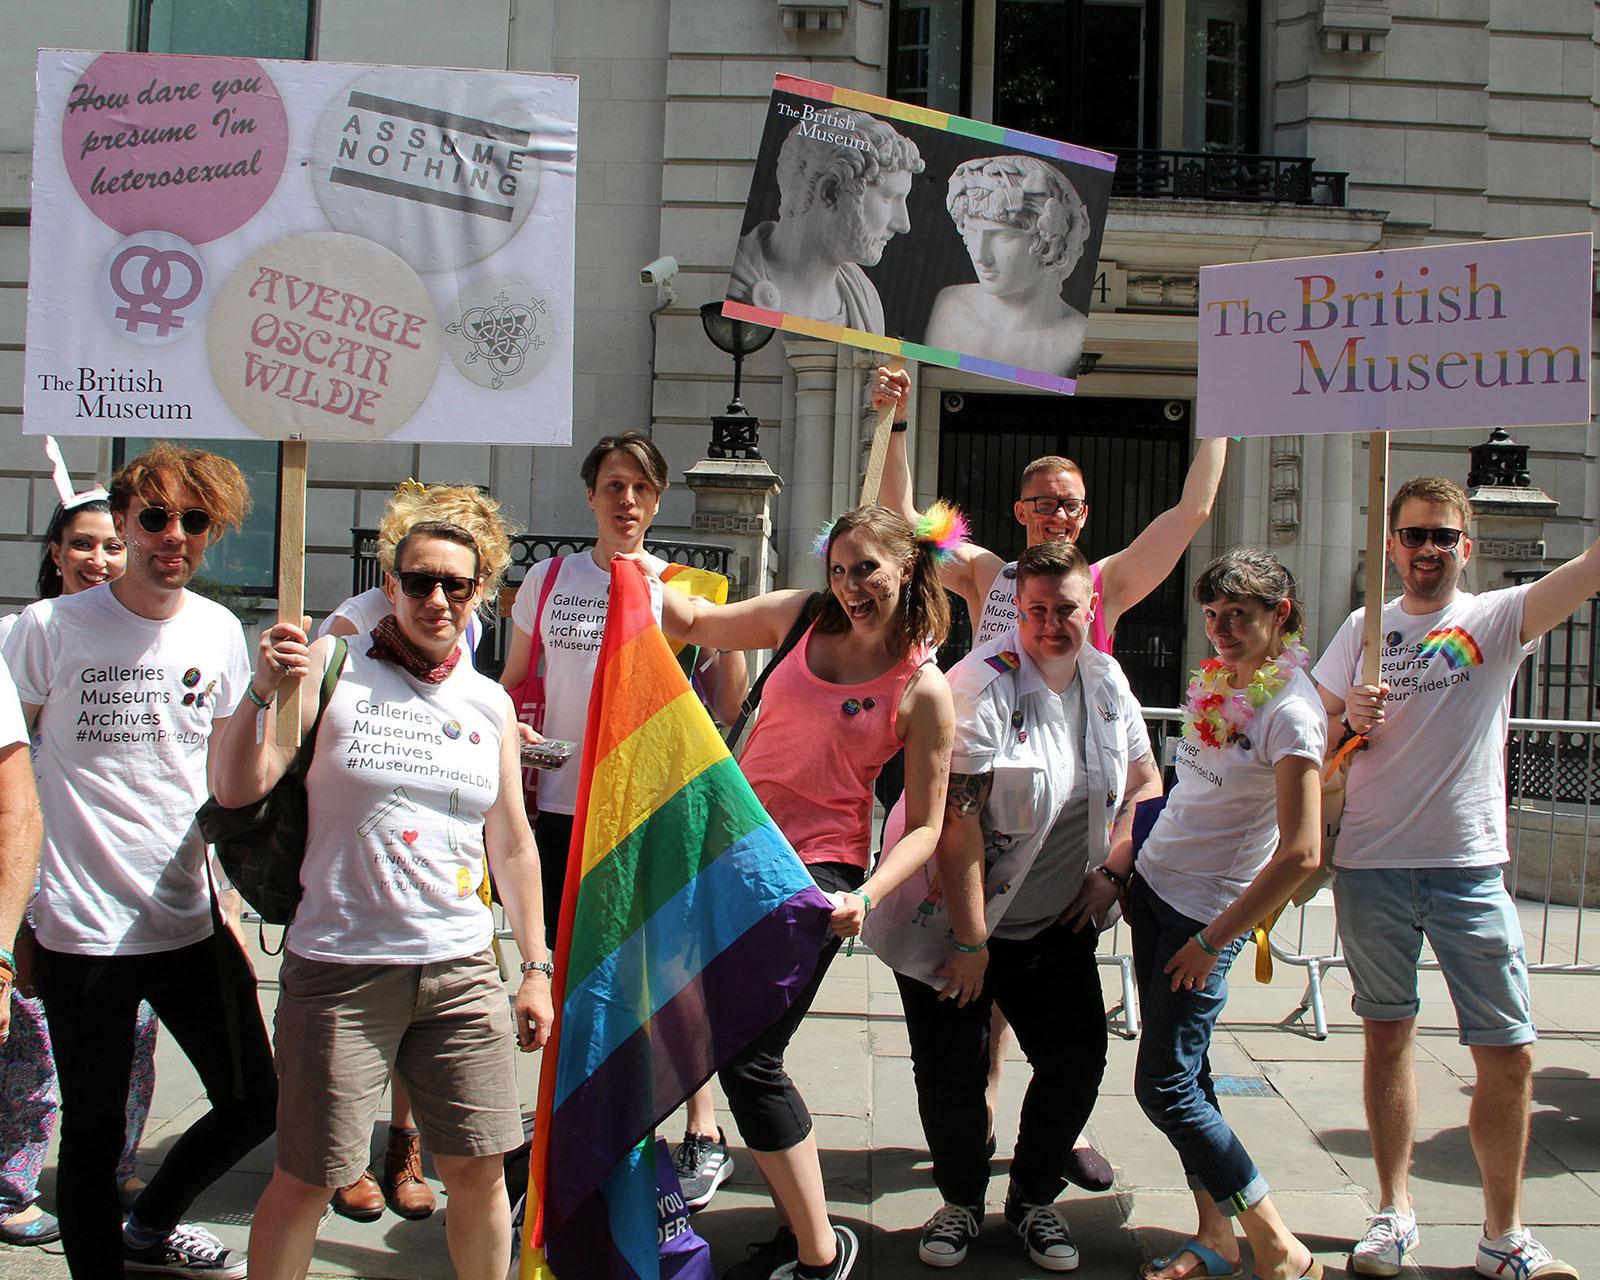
{"x":1449,"y":119}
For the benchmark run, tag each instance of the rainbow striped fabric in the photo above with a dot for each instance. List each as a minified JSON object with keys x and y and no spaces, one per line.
{"x":688,"y":925}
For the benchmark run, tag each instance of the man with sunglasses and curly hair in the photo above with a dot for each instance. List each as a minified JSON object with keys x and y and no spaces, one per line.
{"x":126,"y":685}
{"x":1421,"y":845}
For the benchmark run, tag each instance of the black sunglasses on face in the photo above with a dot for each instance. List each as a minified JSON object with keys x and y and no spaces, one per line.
{"x":419,"y":586}
{"x":1413,"y":536}
{"x":1048,"y":506}
{"x":156,"y":519}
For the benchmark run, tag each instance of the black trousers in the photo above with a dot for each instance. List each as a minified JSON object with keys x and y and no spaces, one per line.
{"x":768,"y":1109}
{"x":552,"y":832}
{"x":199,"y":992}
{"x":1048,"y":987}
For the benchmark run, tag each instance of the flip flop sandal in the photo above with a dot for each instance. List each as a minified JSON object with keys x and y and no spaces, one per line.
{"x":1213,"y":1266}
{"x":1313,"y":1271}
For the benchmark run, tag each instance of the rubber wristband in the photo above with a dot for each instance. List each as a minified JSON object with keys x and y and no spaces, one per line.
{"x":966,"y":950}
{"x":862,"y":894}
{"x":8,"y":958}
{"x":1200,"y":938}
{"x":898,"y":428}
{"x":1120,"y":881}
{"x":250,"y":692}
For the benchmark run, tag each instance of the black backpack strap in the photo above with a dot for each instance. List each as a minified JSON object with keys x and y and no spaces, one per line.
{"x":753,"y":699}
{"x":330,"y":678}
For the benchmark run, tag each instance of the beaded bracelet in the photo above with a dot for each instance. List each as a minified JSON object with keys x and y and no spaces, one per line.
{"x":1200,"y":937}
{"x":262,"y":703}
{"x":967,"y":950}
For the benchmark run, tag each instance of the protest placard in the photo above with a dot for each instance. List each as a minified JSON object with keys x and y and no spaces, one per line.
{"x":241,"y":248}
{"x":1482,"y":334}
{"x":920,"y":234}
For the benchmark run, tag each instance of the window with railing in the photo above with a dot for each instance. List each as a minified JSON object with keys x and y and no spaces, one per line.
{"x":1220,"y":86}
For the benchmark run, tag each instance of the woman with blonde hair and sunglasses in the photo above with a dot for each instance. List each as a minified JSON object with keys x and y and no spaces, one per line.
{"x":416,"y":776}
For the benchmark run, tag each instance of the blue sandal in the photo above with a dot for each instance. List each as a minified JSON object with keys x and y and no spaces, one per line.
{"x":1213,"y":1266}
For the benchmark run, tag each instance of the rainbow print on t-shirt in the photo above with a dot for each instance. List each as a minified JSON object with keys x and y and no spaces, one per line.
{"x":1004,"y":661}
{"x":1457,"y":646}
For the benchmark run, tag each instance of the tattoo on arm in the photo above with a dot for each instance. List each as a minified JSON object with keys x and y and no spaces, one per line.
{"x":967,"y":793}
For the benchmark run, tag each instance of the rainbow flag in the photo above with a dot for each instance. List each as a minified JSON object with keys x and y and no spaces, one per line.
{"x":688,"y":925}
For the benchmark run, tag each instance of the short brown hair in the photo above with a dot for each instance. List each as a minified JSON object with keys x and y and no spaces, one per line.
{"x":164,"y":470}
{"x":1052,"y":560}
{"x":638,"y":446}
{"x":1247,"y":574}
{"x":925,"y":609}
{"x":1432,"y":489}
{"x":1050,"y":462}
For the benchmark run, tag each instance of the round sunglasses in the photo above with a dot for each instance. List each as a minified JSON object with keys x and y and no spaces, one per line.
{"x":195,"y":520}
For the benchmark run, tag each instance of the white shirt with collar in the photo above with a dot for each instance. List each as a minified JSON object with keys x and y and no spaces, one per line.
{"x":1009,"y":723}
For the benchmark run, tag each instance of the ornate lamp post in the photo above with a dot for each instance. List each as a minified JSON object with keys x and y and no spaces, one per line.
{"x":736,"y":433}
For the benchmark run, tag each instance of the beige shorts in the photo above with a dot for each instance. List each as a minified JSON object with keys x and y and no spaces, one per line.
{"x":445,"y":1029}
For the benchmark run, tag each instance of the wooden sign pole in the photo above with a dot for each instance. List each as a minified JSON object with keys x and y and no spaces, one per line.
{"x":1377,"y":532}
{"x":880,"y":444}
{"x":291,"y":573}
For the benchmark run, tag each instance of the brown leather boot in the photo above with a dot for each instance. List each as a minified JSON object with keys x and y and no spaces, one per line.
{"x":361,"y":1201}
{"x":403,"y":1187}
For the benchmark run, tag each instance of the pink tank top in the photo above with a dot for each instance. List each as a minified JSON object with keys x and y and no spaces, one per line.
{"x":816,"y":750}
{"x":1099,"y":637}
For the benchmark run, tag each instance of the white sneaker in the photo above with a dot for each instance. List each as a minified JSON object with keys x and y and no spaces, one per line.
{"x":1518,"y":1256}
{"x":1382,"y":1250}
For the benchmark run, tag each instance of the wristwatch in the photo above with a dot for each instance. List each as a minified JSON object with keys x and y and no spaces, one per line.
{"x":545,"y":967}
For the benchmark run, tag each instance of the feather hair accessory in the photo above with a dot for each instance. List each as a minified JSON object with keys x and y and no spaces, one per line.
{"x":941,"y":528}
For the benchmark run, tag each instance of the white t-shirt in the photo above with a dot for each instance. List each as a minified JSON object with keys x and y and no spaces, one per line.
{"x":129,"y":705}
{"x":402,"y":779}
{"x":1220,"y":826}
{"x":372,"y":606}
{"x":573,"y":624}
{"x":999,"y":606}
{"x":1430,"y":789}
{"x":13,"y":728}
{"x":6,"y":624}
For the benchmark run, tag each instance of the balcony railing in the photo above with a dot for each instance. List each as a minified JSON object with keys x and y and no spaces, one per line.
{"x":1225,"y":175}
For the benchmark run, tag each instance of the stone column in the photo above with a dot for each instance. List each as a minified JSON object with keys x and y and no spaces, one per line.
{"x":816,"y":367}
{"x":732,"y":504}
{"x":1509,"y":534}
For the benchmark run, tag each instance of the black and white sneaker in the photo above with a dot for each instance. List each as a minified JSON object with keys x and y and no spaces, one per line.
{"x":948,"y":1234}
{"x":703,"y":1164}
{"x":188,"y":1251}
{"x":773,"y":1259}
{"x":1044,"y":1234}
{"x":846,"y":1249}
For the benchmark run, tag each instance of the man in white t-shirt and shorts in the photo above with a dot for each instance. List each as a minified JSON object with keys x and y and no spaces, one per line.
{"x":1419,"y":855}
{"x":125,"y":684}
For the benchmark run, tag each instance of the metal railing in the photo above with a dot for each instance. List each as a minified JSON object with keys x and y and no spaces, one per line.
{"x":1226,"y":175}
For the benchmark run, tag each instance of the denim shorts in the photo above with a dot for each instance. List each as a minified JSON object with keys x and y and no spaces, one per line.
{"x":1470,"y":922}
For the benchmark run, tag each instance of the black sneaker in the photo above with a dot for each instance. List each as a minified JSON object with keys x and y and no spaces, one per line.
{"x":846,"y":1249}
{"x":703,"y":1164}
{"x":769,"y":1259}
{"x":948,"y":1234}
{"x":188,"y":1251}
{"x":1044,"y":1234}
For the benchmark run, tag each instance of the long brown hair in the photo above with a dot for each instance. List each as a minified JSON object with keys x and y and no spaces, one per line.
{"x":924,"y":607}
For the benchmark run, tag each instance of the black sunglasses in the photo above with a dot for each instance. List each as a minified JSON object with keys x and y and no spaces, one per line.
{"x":1414,"y":535}
{"x":419,"y":586}
{"x":156,"y":519}
{"x":1048,"y":506}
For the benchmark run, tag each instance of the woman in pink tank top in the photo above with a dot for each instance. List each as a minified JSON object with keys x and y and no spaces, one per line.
{"x":857,"y":688}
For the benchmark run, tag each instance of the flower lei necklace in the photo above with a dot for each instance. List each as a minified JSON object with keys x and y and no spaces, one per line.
{"x":1215,"y":713}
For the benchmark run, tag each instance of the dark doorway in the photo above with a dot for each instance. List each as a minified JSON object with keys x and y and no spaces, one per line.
{"x":1134,"y":456}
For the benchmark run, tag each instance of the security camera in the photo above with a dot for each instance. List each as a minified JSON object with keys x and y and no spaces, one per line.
{"x":663,"y":271}
{"x":1174,"y":410}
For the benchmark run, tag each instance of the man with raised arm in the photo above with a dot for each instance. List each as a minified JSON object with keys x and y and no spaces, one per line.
{"x":1053,"y":508}
{"x":1419,"y":855}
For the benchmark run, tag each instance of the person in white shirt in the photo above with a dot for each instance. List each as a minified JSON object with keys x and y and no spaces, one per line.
{"x":1237,"y":835}
{"x":19,"y":837}
{"x":388,"y":968}
{"x":1050,"y":758}
{"x":125,"y":685}
{"x":1421,"y":844}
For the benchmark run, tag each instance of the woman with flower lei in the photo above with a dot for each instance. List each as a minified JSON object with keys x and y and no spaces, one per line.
{"x":1025,"y":227}
{"x":1240,"y":831}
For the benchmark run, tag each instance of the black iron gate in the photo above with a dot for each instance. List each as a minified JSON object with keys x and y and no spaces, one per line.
{"x":1134,"y":454}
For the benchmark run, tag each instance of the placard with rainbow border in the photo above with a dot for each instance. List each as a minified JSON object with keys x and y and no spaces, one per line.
{"x":889,"y":226}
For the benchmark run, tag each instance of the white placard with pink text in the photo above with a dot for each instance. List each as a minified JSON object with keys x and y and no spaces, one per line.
{"x":242,"y":248}
{"x":1482,"y":334}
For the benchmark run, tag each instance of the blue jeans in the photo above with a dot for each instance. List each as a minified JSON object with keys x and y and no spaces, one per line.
{"x":1172,"y":1079}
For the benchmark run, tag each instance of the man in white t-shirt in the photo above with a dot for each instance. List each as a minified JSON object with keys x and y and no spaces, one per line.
{"x":19,"y":836}
{"x":125,"y":684}
{"x":1419,"y":855}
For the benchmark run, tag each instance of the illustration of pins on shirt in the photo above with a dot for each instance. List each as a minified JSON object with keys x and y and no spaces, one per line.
{"x":398,"y":800}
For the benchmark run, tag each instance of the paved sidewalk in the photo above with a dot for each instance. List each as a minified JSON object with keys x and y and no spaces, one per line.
{"x":1295,"y":1101}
